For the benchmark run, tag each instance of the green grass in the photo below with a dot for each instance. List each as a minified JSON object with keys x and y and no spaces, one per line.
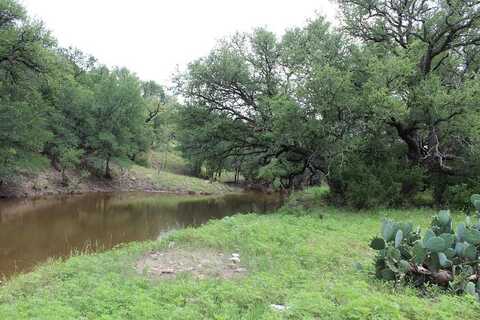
{"x":178,"y":165}
{"x":306,"y":263}
{"x":173,"y":177}
{"x":176,"y":182}
{"x":174,"y":162}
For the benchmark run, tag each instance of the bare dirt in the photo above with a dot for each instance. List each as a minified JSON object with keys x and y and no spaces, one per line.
{"x":200,"y":263}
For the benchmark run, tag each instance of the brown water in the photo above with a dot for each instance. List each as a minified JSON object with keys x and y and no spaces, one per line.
{"x":31,"y":231}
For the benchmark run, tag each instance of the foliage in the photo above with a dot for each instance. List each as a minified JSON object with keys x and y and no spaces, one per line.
{"x":62,"y":104}
{"x":445,"y":255}
{"x":23,"y":63}
{"x":305,"y":201}
{"x":385,"y":103}
{"x":69,"y":159}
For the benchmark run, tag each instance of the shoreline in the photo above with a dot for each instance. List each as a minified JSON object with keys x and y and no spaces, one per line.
{"x":137,"y":179}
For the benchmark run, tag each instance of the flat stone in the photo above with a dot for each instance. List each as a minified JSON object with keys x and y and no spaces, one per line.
{"x":278,"y":307}
{"x":167,"y":271}
{"x":235,"y":260}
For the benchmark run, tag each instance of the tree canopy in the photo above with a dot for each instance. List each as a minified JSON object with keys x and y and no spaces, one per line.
{"x":384,"y":106}
{"x":62,"y":105}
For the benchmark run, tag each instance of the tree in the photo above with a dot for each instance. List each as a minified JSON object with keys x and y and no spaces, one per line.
{"x":273,"y":102}
{"x":118,"y":113}
{"x":429,"y":79}
{"x":24,"y":61}
{"x":61,"y":105}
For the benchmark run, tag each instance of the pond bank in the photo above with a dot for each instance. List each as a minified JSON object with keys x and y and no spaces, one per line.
{"x":298,"y":267}
{"x":49,"y":182}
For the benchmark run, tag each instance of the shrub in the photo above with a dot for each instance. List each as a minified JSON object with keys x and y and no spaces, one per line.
{"x":301,"y":202}
{"x":143,"y":159}
{"x":445,"y":255}
{"x":372,"y":179}
{"x":456,"y":196}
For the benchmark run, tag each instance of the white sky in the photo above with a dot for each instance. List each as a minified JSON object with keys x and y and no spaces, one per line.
{"x":153,"y":37}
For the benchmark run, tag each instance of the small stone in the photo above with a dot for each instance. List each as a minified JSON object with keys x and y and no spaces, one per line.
{"x":235,"y":259}
{"x":167,"y":271}
{"x":278,"y":307}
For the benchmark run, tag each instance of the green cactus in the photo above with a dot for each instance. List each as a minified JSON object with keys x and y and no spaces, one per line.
{"x":403,"y":255}
{"x":398,"y":238}
{"x":471,"y":290}
{"x":442,"y":223}
{"x":461,"y":229}
{"x":470,"y":252}
{"x":475,"y":200}
{"x":419,"y":253}
{"x":377,"y":243}
{"x":449,"y":239}
{"x":443,"y":260}
{"x":428,"y":234}
{"x":472,"y":236}
{"x":435,"y":244}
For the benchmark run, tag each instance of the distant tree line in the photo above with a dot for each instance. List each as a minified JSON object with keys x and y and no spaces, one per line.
{"x":62,"y":105}
{"x":381,"y":109}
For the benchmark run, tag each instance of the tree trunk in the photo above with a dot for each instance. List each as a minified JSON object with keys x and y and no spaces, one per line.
{"x":108,"y":173}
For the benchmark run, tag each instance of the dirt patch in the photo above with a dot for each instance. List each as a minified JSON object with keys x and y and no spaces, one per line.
{"x":200,"y":263}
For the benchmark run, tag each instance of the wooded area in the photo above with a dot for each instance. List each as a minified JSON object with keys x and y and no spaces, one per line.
{"x":381,"y":109}
{"x":62,"y":105}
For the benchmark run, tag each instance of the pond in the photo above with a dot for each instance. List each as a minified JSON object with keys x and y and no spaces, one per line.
{"x":34,"y":230}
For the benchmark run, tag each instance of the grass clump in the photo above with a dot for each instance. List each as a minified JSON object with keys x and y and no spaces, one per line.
{"x":307,"y":264}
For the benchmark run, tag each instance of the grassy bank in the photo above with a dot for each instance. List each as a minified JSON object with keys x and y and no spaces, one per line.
{"x":168,"y":181}
{"x":306,"y":263}
{"x":41,"y":178}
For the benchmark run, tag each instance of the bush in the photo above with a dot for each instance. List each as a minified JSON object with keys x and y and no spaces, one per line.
{"x":301,"y":202}
{"x":456,"y":196}
{"x":143,"y":159}
{"x":444,"y":256}
{"x":369,"y":183}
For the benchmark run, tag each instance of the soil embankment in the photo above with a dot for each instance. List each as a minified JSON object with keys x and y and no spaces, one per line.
{"x":50,"y":182}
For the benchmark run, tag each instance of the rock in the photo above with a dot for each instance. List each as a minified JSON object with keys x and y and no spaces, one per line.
{"x":167,"y":271}
{"x":278,"y":307}
{"x":235,"y":259}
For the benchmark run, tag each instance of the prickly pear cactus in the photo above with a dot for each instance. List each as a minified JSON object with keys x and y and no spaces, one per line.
{"x":445,"y":255}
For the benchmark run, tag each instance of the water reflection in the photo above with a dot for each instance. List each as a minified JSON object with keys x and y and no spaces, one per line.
{"x":31,"y":231}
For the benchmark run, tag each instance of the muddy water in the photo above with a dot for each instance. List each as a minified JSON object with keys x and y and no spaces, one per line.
{"x":32,"y":231}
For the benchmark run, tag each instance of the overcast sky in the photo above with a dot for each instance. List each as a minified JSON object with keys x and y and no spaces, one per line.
{"x":152,"y":37}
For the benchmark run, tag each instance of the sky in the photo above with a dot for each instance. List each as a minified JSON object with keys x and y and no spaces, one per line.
{"x":155,"y":38}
